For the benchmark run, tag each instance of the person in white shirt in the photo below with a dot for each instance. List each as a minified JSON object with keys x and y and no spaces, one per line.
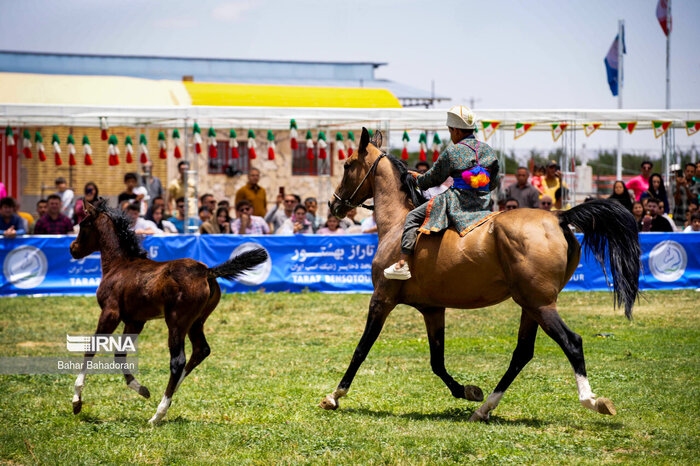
{"x":694,"y":225}
{"x":67,"y":197}
{"x":369,"y":225}
{"x":140,"y":225}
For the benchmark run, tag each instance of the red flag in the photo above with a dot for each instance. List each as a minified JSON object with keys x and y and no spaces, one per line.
{"x":661,"y":14}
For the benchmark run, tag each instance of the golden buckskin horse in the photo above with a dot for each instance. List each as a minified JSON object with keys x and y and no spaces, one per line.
{"x":525,"y":254}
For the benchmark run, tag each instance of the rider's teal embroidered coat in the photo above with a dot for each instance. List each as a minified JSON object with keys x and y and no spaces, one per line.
{"x":463,"y":209}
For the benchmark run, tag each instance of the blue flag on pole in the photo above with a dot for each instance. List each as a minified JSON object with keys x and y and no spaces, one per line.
{"x":612,"y":66}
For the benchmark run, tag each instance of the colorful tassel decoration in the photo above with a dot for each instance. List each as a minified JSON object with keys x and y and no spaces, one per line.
{"x":293,"y":135}
{"x":233,"y":144}
{"x":476,"y":178}
{"x":340,"y":145}
{"x":436,"y":146}
{"x":197,"y":136}
{"x":351,"y":143}
{"x":39,"y":141}
{"x":143,"y":149}
{"x":270,"y":145}
{"x":113,"y":150}
{"x":423,"y":142}
{"x":251,"y":145}
{"x":71,"y":150}
{"x":309,"y":146}
{"x":162,"y":146}
{"x":322,"y":144}
{"x":405,"y":139}
{"x":211,"y":142}
{"x":10,"y":141}
{"x":129,"y":149}
{"x":103,"y":128}
{"x":176,"y":142}
{"x":27,"y":144}
{"x":87,"y":150}
{"x":56,"y":150}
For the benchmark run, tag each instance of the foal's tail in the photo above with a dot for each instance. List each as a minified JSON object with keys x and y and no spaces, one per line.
{"x":610,"y":228}
{"x":243,"y":262}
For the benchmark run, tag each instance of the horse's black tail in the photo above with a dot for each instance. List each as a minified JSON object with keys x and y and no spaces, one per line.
{"x":610,"y":229}
{"x":235,"y":266}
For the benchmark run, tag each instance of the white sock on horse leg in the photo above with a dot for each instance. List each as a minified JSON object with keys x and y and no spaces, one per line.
{"x":585,"y":395}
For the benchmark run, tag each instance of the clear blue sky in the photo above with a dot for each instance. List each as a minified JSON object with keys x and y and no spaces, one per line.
{"x":504,"y":53}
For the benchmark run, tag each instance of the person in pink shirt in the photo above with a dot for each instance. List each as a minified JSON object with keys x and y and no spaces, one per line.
{"x":640,"y":183}
{"x":332,"y":227}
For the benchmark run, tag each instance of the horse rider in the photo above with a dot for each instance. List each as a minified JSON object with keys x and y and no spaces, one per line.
{"x":474,"y":167}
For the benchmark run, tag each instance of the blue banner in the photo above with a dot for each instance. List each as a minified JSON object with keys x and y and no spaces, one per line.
{"x":40,"y":265}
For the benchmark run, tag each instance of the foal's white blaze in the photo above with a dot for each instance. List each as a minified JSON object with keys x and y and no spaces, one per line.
{"x":585,"y":395}
{"x":162,"y":410}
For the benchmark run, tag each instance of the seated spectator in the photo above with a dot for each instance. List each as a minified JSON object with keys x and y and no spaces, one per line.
{"x":349,"y":219}
{"x":67,"y":196}
{"x":298,"y":224}
{"x":133,"y":193}
{"x":332,"y":227}
{"x":156,"y":214}
{"x":140,"y":225}
{"x":694,"y":223}
{"x":369,"y":225}
{"x":158,"y":201}
{"x":208,"y":201}
{"x":221,"y":224}
{"x":246,"y":223}
{"x":311,"y":212}
{"x":546,"y":202}
{"x":559,"y":195}
{"x":654,"y":221}
{"x":11,"y":224}
{"x":53,"y":222}
{"x":692,"y":208}
{"x":638,"y":212}
{"x":523,"y":192}
{"x":204,"y":214}
{"x":276,"y":217}
{"x":41,"y":208}
{"x":224,"y":203}
{"x":665,"y":215}
{"x":621,"y":195}
{"x":511,"y":204}
{"x":179,"y":218}
{"x":91,"y":193}
{"x":27,"y":219}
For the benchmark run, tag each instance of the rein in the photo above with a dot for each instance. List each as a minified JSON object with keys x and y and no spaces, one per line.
{"x":346,"y":202}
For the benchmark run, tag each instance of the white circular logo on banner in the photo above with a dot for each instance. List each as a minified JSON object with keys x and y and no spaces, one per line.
{"x":25,"y":267}
{"x":260,"y":273}
{"x":668,"y":261}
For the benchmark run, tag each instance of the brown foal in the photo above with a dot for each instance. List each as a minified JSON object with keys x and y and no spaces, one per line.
{"x":135,"y":289}
{"x":524,"y":254}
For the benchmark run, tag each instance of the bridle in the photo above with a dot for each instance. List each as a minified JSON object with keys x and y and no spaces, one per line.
{"x":346,"y":202}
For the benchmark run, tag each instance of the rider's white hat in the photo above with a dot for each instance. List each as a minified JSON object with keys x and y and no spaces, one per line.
{"x":460,"y":116}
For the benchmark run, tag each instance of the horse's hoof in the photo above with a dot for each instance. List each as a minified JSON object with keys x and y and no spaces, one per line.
{"x":329,"y":403}
{"x":143,"y":391}
{"x":605,"y":406}
{"x":478,"y":417}
{"x":473,"y":393}
{"x":77,"y":406}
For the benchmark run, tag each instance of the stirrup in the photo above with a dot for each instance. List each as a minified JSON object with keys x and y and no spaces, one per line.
{"x":401,"y":273}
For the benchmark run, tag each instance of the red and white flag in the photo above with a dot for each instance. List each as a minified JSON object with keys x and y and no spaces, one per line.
{"x":664,"y":16}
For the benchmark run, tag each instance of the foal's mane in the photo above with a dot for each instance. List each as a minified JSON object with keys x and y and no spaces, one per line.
{"x":128,"y":240}
{"x":408,"y":183}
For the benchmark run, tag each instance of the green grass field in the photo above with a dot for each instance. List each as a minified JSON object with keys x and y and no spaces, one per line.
{"x":275,"y":356}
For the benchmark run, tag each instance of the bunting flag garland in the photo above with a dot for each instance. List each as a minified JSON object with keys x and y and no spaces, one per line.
{"x":39,"y":141}
{"x":162,"y":146}
{"x":662,"y":16}
{"x":309,"y":146}
{"x":129,"y":149}
{"x":589,"y":128}
{"x":423,"y":143}
{"x":176,"y":141}
{"x":692,"y":127}
{"x":557,"y":130}
{"x":371,"y":134}
{"x":405,"y":139}
{"x":251,"y":145}
{"x":490,"y":128}
{"x":143,"y":149}
{"x":351,"y":143}
{"x":436,"y":146}
{"x":660,"y":127}
{"x":628,"y":126}
{"x":10,"y":141}
{"x":197,"y":136}
{"x":87,"y":150}
{"x":56,"y":150}
{"x":340,"y":145}
{"x":211,"y":142}
{"x":522,"y":128}
{"x":233,"y":144}
{"x":270,"y":145}
{"x":27,"y":144}
{"x":322,"y":144}
{"x":103,"y":128}
{"x":113,"y":150}
{"x":71,"y":150}
{"x":293,"y":134}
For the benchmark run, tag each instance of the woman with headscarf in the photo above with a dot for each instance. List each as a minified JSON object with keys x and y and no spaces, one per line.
{"x":91,"y":193}
{"x":621,"y":195}
{"x":156,"y":214}
{"x":217,"y":225}
{"x":656,"y":191}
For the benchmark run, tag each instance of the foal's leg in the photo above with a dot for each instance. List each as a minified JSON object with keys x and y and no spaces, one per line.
{"x":521,"y":356}
{"x":379,"y":309}
{"x":572,"y":344}
{"x":109,"y":320}
{"x":131,"y":382}
{"x":435,"y":325}
{"x":176,"y":343}
{"x":200,"y":347}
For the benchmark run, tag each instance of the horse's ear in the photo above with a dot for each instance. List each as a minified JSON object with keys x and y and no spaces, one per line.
{"x":364,"y":141}
{"x":378,"y":139}
{"x":89,"y":208}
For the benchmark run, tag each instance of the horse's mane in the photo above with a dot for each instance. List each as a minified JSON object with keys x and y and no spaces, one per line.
{"x":128,"y":240}
{"x":408,"y":182}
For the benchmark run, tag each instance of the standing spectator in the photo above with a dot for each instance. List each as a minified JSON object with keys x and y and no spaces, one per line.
{"x":656,"y":190}
{"x":140,"y":225}
{"x":694,"y":223}
{"x":91,"y":193}
{"x":133,"y":193}
{"x":221,"y":224}
{"x":156,"y":214}
{"x":53,"y":222}
{"x":638,"y":212}
{"x":253,"y":193}
{"x":621,"y":195}
{"x":311,"y":205}
{"x":332,"y":227}
{"x":552,"y":179}
{"x":208,"y":201}
{"x":369,"y":225}
{"x":559,"y":196}
{"x":511,"y":204}
{"x":176,"y":188}
{"x":640,"y":183}
{"x":246,"y":223}
{"x":281,"y":216}
{"x":546,"y":202}
{"x":41,"y":208}
{"x":204,"y":214}
{"x":179,"y":218}
{"x":67,"y":197}
{"x":524,"y":193}
{"x":654,"y":221}
{"x":537,"y":178}
{"x":298,"y":224}
{"x":152,"y":184}
{"x":349,"y":220}
{"x":11,"y":224}
{"x":684,"y":192}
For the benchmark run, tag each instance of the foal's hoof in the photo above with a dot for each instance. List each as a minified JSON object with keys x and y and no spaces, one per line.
{"x":473,"y":393}
{"x":329,"y":403}
{"x":478,"y":417}
{"x":605,"y":406}
{"x":143,"y":391}
{"x":77,"y":406}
